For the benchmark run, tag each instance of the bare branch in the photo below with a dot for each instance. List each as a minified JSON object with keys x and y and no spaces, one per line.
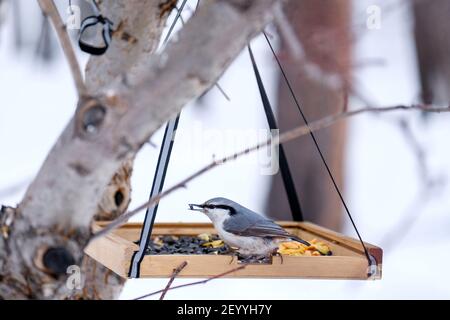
{"x":176,"y":271}
{"x":282,"y":138}
{"x":193,"y":283}
{"x":331,"y":80}
{"x":288,"y":34}
{"x":431,"y":187}
{"x":49,"y":9}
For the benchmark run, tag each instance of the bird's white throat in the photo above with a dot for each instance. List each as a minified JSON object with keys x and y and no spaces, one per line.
{"x":217,"y":216}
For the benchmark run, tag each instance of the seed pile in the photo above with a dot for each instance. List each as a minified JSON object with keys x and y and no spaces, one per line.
{"x":211,"y":244}
{"x":201,"y":244}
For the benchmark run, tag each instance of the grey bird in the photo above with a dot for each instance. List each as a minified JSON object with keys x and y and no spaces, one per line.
{"x":241,"y":228}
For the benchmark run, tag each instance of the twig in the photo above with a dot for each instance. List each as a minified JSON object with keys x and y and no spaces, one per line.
{"x":193,"y":283}
{"x":288,"y":34}
{"x":181,"y":17}
{"x":331,"y":80}
{"x":428,"y":191}
{"x":44,"y":49}
{"x":276,"y":140}
{"x":179,"y":11}
{"x":222,"y":91}
{"x":409,"y":218}
{"x":176,"y":271}
{"x":197,"y":5}
{"x":49,"y":9}
{"x":418,"y":151}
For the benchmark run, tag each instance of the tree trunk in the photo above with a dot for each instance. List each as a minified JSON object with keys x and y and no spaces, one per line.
{"x":432,"y":29}
{"x":323,"y":28}
{"x":100,"y":282}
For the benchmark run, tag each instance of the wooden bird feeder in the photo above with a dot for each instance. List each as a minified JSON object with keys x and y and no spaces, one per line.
{"x":115,"y":251}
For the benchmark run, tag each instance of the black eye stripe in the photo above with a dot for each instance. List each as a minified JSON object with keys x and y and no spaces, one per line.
{"x":221,"y":206}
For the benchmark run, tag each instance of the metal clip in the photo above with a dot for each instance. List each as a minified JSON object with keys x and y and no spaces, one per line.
{"x":106,"y":32}
{"x":373,"y":271}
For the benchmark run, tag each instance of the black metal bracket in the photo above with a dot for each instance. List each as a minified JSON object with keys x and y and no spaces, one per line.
{"x":286,"y":174}
{"x":157,"y":186}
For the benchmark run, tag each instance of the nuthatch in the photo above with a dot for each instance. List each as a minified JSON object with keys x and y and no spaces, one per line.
{"x":239,"y":227}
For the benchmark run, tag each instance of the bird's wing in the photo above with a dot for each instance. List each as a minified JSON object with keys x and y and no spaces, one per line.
{"x":249,"y":225}
{"x":253,"y":225}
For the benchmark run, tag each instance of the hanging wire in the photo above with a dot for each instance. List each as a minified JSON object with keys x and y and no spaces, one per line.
{"x":179,"y":11}
{"x":294,"y":97}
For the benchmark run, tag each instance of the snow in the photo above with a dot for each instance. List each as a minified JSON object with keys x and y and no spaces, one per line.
{"x":381,"y":169}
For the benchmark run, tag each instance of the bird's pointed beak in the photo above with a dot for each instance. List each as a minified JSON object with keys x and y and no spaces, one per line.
{"x":196,"y":207}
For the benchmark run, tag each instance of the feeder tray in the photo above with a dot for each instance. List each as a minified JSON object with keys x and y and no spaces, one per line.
{"x":348,"y":261}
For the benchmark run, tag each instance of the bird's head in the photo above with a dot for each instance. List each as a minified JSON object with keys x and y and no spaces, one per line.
{"x":216,"y":208}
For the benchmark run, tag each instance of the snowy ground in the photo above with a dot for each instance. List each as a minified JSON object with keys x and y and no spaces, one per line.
{"x":383,"y":185}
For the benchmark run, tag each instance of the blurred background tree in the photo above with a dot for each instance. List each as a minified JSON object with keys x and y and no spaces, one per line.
{"x":432,"y":39}
{"x":323,"y":28}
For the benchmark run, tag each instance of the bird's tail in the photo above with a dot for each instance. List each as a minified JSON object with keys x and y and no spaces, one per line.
{"x":306,"y":243}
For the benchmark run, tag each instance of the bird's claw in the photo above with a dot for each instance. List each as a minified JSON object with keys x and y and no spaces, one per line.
{"x":276,"y":253}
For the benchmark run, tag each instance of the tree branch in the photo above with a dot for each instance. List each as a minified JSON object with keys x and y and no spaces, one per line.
{"x":193,"y":283}
{"x":176,"y":271}
{"x":49,"y":9}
